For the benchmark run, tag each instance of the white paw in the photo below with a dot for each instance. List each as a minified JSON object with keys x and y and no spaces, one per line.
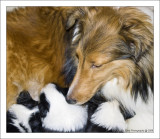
{"x":109,"y":116}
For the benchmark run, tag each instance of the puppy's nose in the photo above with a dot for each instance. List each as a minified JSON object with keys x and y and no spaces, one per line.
{"x":71,"y":101}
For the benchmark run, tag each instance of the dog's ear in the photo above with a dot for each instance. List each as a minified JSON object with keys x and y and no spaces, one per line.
{"x":74,"y":24}
{"x":73,"y":16}
{"x":136,"y":30}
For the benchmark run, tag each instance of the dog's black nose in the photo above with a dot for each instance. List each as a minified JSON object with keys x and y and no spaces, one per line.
{"x":71,"y":101}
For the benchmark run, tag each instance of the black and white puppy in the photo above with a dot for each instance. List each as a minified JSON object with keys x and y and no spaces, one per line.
{"x":54,"y":114}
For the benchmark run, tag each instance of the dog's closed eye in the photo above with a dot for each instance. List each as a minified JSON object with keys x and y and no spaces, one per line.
{"x":95,"y":66}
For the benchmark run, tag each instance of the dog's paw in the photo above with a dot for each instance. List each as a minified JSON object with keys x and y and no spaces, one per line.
{"x":108,"y":116}
{"x":26,"y":100}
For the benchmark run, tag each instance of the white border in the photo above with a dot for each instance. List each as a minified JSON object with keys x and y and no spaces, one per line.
{"x":79,"y":3}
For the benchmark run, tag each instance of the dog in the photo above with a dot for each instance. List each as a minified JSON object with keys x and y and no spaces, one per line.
{"x":53,"y":114}
{"x":115,"y":55}
{"x":37,"y":40}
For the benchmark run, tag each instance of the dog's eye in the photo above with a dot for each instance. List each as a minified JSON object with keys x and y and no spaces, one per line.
{"x":95,"y":66}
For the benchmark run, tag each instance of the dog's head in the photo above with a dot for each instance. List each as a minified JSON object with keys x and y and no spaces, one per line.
{"x":114,"y":43}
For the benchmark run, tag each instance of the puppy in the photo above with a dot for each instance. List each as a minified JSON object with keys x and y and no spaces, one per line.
{"x":54,"y":114}
{"x":51,"y":114}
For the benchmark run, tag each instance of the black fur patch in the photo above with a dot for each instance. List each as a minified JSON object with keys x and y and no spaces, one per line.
{"x":10,"y":127}
{"x":25,"y":99}
{"x":64,"y":91}
{"x":35,"y":122}
{"x":24,"y":128}
{"x":94,"y":128}
{"x":140,"y":85}
{"x":125,"y":112}
{"x":70,"y":68}
{"x":43,"y":106}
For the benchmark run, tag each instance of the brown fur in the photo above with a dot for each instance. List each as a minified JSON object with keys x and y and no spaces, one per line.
{"x":111,"y":43}
{"x":36,"y":45}
{"x":116,"y":43}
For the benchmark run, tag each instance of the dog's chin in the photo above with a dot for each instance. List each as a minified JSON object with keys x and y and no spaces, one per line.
{"x":82,"y":103}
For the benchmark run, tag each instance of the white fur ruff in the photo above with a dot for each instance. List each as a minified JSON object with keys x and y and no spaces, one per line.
{"x":143,"y":119}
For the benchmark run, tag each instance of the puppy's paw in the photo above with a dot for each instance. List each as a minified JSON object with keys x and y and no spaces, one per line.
{"x":108,"y":116}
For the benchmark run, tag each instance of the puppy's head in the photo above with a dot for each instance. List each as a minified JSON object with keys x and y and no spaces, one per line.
{"x":57,"y":115}
{"x":116,"y":43}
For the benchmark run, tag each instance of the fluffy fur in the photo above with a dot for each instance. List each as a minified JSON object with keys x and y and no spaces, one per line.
{"x":51,"y":114}
{"x":37,"y":39}
{"x":18,"y":118}
{"x":24,"y":116}
{"x":54,"y":114}
{"x":115,"y":54}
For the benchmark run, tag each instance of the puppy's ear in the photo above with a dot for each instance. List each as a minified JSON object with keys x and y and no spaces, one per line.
{"x":136,"y":30}
{"x":25,"y":99}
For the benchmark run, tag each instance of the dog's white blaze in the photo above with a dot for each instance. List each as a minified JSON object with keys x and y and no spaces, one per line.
{"x":22,"y":114}
{"x":109,"y":116}
{"x":144,"y":111}
{"x":63,"y":116}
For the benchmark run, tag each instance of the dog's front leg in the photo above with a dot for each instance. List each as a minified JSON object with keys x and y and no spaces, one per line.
{"x":109,"y":116}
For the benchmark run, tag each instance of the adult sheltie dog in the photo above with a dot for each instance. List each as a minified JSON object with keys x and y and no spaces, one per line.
{"x":115,"y":55}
